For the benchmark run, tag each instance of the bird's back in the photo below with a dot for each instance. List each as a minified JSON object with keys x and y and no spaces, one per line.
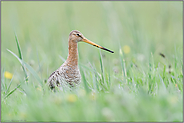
{"x":65,"y":75}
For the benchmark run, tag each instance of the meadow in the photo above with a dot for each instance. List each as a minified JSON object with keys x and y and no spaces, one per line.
{"x":141,"y":81}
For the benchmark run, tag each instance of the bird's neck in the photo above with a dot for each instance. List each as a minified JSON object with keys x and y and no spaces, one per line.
{"x":72,"y":58}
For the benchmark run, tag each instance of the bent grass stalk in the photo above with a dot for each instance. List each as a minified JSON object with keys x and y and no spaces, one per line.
{"x":21,"y":57}
{"x":24,"y":64}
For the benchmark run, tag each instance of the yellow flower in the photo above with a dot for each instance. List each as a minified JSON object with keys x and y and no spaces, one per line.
{"x":176,"y":85}
{"x":8,"y":75}
{"x":72,"y":98}
{"x":126,"y":49}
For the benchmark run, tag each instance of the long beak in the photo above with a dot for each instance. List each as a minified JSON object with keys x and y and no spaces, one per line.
{"x":96,"y":45}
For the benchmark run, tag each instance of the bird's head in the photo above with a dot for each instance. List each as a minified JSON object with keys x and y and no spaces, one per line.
{"x":77,"y":36}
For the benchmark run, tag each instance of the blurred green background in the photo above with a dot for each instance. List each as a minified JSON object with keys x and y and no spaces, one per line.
{"x":139,"y":30}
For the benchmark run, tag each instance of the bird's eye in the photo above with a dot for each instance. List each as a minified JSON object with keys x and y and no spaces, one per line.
{"x":78,"y":35}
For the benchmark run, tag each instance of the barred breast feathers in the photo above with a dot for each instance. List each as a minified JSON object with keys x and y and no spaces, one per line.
{"x":64,"y":75}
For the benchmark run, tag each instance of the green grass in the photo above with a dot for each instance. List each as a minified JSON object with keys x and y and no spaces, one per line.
{"x":135,"y":86}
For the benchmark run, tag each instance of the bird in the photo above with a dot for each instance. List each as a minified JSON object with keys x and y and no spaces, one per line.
{"x":68,"y":73}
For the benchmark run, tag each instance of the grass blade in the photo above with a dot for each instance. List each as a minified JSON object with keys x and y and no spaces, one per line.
{"x":101,"y":66}
{"x":21,"y":57}
{"x":95,"y":81}
{"x":9,"y":85}
{"x":3,"y":83}
{"x":102,"y":82}
{"x":122,"y":61}
{"x":18,"y":46}
{"x":28,"y":67}
{"x":62,"y":58}
{"x":85,"y":82}
{"x":12,"y":91}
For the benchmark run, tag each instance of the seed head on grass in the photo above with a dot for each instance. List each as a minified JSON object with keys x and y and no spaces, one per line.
{"x":8,"y":75}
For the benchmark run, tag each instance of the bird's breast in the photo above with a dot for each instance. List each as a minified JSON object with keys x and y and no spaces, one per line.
{"x":71,"y":74}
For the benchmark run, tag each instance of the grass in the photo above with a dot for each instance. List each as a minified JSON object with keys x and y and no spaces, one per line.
{"x":136,"y":85}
